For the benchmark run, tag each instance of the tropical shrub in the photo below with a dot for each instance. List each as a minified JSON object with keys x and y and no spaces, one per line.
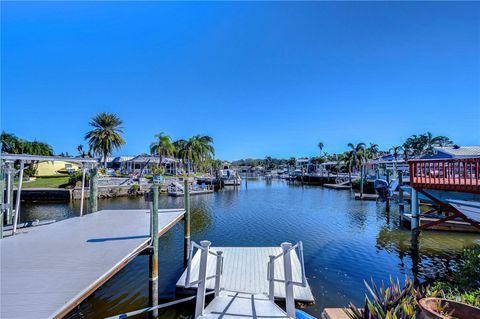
{"x":393,"y":302}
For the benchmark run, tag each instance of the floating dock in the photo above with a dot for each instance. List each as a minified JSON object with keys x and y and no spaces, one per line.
{"x":191,"y":192}
{"x":48,"y":270}
{"x":245,"y":270}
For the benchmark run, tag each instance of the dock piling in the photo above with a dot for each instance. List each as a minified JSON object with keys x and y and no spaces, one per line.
{"x":414,"y":210}
{"x":186,"y":201}
{"x":153,"y":280}
{"x":93,"y":201}
{"x":387,"y":201}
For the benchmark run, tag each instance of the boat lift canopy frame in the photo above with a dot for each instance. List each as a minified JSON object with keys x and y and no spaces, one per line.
{"x":6,"y":164}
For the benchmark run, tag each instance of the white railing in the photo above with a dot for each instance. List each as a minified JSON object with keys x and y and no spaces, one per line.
{"x":287,"y":248}
{"x":202,"y":273}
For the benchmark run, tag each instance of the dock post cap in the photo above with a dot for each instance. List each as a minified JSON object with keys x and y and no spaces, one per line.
{"x":205,"y":243}
{"x":286,"y":245}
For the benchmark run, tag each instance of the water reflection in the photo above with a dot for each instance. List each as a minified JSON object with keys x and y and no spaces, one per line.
{"x":346,"y":241}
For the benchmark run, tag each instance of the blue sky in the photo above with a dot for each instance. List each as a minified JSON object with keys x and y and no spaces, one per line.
{"x":271,"y":78}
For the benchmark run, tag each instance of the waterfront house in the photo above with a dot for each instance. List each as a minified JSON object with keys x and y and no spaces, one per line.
{"x":145,"y":163}
{"x":49,"y":168}
{"x":449,"y":152}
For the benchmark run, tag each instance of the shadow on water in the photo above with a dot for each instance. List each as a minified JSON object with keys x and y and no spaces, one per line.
{"x":345,"y":242}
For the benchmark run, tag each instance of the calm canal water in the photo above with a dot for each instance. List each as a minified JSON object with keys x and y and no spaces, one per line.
{"x":345,"y":242}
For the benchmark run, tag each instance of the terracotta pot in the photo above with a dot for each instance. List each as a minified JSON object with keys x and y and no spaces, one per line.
{"x":429,"y":307}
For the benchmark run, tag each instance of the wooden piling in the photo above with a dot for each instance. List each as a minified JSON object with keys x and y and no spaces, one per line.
{"x":153,"y":274}
{"x":186,"y":241}
{"x":93,"y":201}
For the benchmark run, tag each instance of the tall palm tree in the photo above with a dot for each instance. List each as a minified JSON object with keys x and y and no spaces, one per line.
{"x":358,"y":153}
{"x":196,"y":150}
{"x":105,"y":135}
{"x":163,"y":146}
{"x":348,"y":159}
{"x":372,"y":151}
{"x":395,"y":150}
{"x":320,"y":146}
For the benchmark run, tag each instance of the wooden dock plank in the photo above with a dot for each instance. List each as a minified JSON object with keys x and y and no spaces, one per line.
{"x":48,"y":270}
{"x":245,"y":270}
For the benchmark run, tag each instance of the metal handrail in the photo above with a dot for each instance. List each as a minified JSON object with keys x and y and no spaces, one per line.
{"x":148,"y":309}
{"x":204,"y":247}
{"x":287,"y":248}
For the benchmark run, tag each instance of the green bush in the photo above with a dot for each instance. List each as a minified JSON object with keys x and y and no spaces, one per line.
{"x":464,"y":283}
{"x":76,"y":177}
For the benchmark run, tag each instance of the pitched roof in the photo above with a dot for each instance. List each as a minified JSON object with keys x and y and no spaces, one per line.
{"x":462,"y":151}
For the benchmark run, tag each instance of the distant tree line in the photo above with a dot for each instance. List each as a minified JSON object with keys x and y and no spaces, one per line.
{"x":357,"y":154}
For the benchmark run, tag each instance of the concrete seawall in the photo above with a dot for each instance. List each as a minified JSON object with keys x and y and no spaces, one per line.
{"x":67,"y":195}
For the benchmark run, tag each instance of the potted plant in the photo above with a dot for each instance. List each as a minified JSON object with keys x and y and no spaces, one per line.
{"x":439,"y":308}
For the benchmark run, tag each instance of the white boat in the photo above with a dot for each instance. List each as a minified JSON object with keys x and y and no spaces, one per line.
{"x":230,"y":177}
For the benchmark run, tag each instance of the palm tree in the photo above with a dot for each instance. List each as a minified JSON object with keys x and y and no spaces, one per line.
{"x":320,"y":146}
{"x":196,"y":150}
{"x":358,"y":153}
{"x":418,"y":145}
{"x":106,"y":134}
{"x":372,"y":151}
{"x":348,"y":159}
{"x":395,"y":150}
{"x":82,"y":153}
{"x":163,"y":146}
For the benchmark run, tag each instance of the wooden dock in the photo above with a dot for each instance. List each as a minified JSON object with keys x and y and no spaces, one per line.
{"x":48,"y":270}
{"x":449,"y":225}
{"x":245,"y":270}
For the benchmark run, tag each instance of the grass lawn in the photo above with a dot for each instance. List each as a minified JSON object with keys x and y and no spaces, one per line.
{"x":46,"y":182}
